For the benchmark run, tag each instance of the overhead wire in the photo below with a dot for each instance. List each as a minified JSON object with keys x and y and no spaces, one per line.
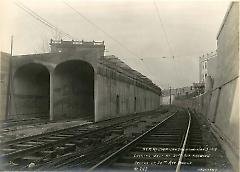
{"x":167,"y":38}
{"x":55,"y":28}
{"x":99,"y":28}
{"x":164,"y":30}
{"x":41,"y":19}
{"x":109,"y":35}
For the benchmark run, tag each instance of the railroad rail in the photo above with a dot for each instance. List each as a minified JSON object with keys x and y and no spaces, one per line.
{"x":54,"y":149}
{"x":174,"y":144}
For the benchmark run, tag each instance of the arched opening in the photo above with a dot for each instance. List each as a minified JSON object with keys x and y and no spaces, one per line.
{"x":31,"y":91}
{"x":73,"y":90}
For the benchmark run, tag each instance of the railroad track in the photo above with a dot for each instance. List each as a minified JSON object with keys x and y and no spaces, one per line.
{"x":175,"y":144}
{"x":9,"y":132}
{"x":16,"y":122}
{"x":12,"y":125}
{"x":52,"y":150}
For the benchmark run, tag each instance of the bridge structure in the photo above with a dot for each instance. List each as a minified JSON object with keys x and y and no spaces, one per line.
{"x":76,"y":80}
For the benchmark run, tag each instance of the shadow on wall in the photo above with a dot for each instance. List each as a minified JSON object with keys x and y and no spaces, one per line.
{"x":30,"y":90}
{"x":73,"y":90}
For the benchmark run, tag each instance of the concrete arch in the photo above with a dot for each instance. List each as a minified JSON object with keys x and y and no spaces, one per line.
{"x":73,"y":90}
{"x":30,"y":91}
{"x":25,"y":63}
{"x":88,"y":60}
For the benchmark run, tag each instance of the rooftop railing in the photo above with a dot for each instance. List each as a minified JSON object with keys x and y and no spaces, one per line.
{"x":74,"y":42}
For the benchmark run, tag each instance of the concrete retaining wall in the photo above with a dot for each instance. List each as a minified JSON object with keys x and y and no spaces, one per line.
{"x":221,"y":108}
{"x":31,"y":92}
{"x":73,"y":90}
{"x":117,"y":98}
{"x":220,"y":103}
{"x":61,"y":96}
{"x":77,"y":84}
{"x":4,"y":78}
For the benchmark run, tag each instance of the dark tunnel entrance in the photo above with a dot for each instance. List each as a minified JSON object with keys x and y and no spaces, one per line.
{"x":73,"y":84}
{"x":31,"y":91}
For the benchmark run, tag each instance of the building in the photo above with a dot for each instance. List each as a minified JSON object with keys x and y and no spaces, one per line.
{"x":203,"y":65}
{"x":176,"y":93}
{"x":182,"y":91}
{"x":77,"y":80}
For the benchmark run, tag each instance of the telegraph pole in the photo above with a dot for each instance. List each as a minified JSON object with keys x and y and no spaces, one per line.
{"x":11,"y":45}
{"x":8,"y":106}
{"x":170,"y":100}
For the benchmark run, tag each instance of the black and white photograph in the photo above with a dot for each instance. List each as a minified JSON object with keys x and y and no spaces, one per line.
{"x":119,"y":85}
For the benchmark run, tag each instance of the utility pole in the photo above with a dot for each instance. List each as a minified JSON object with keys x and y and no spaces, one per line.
{"x":170,"y":92}
{"x":11,"y":45}
{"x":8,"y":106}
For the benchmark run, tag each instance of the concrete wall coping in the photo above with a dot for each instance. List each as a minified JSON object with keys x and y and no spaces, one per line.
{"x":225,"y":18}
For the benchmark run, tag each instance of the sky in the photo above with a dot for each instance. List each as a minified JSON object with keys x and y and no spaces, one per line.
{"x":139,"y":32}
